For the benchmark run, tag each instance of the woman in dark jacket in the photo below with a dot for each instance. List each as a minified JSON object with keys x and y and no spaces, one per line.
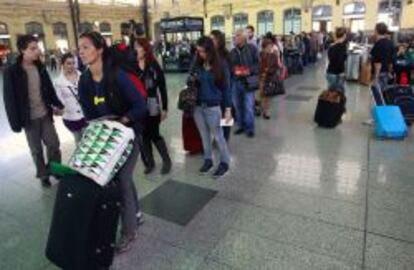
{"x":106,"y":90}
{"x":153,"y":77}
{"x":213,"y":78}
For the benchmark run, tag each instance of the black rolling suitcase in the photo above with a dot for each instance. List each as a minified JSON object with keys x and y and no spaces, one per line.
{"x":403,"y":97}
{"x":84,"y":223}
{"x":330,"y":108}
{"x":104,"y":227}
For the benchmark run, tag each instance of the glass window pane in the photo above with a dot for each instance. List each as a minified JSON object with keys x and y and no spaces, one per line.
{"x":34,"y":28}
{"x":3,"y":28}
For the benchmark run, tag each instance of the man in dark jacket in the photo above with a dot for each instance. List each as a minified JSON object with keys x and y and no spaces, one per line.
{"x":245,"y":67}
{"x":30,"y":101}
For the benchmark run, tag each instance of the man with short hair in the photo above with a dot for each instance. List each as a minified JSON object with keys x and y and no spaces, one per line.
{"x":382,"y":55}
{"x":30,"y":101}
{"x":244,"y":60}
{"x":251,"y":38}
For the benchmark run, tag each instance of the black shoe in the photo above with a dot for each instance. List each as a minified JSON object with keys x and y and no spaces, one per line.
{"x":221,"y":170}
{"x":265,"y":116}
{"x":46,"y":182}
{"x":208,"y":164}
{"x":250,"y":134}
{"x":166,"y":160}
{"x":239,"y":131}
{"x":149,"y":170}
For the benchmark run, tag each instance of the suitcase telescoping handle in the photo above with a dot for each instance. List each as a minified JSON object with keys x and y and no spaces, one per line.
{"x":376,"y":92}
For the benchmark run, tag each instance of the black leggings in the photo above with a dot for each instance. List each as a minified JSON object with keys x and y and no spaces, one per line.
{"x":152,"y":129}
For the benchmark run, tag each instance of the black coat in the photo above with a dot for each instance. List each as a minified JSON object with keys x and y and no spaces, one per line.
{"x":16,"y":95}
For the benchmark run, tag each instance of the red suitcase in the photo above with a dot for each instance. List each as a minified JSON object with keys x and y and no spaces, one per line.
{"x":191,"y":137}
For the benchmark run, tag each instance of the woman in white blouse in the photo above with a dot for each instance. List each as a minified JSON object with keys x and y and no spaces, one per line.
{"x":66,"y":86}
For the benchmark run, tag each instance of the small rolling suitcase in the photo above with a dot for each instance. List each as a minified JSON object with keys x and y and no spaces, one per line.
{"x":84,"y":223}
{"x":389,"y":122}
{"x":330,"y":108}
{"x":191,"y":137}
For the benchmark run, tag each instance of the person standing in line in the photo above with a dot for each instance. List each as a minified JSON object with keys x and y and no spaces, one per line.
{"x":245,"y":68}
{"x":251,"y":37}
{"x":214,"y":80}
{"x":30,"y":102}
{"x":153,"y":77}
{"x":107,"y":90}
{"x":53,"y":62}
{"x":220,"y":45}
{"x":269,"y":72}
{"x":382,"y":55}
{"x":67,"y":90}
{"x":337,"y":55}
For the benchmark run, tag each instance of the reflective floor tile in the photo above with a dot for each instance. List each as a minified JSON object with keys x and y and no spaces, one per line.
{"x":387,"y":254}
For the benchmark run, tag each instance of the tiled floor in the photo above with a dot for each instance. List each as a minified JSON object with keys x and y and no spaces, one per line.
{"x":297,"y":197}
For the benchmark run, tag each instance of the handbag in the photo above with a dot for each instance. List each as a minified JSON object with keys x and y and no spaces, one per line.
{"x":187,"y":99}
{"x":274,"y":87}
{"x":252,"y":83}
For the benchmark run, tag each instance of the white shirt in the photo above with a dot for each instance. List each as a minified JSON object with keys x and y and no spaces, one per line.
{"x":68,"y":95}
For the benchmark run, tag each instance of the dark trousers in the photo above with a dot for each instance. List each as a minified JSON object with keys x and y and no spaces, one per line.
{"x":41,"y":132}
{"x":151,"y":135}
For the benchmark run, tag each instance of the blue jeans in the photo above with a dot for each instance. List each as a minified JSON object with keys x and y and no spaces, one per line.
{"x":336,"y":82}
{"x":244,"y":104}
{"x":383,"y":80}
{"x":208,"y":120}
{"x":129,"y":196}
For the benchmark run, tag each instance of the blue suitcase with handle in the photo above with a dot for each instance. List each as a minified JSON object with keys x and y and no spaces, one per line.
{"x":389,"y":122}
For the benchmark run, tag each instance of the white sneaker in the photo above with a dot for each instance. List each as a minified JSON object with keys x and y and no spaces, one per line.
{"x":368,"y":122}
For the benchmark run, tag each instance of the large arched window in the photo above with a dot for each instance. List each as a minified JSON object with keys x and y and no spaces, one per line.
{"x":217,"y":23}
{"x":389,"y":12}
{"x":240,"y":21}
{"x":105,"y":27}
{"x":125,"y":28}
{"x":265,"y":22}
{"x":4,"y":39}
{"x":4,"y":30}
{"x":322,"y":18}
{"x":34,"y":28}
{"x":354,"y":16}
{"x":292,"y":21}
{"x":60,"y":30}
{"x":60,"y":33}
{"x":85,"y":27}
{"x":355,"y":9}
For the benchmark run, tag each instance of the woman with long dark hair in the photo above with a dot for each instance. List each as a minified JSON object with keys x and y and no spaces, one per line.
{"x":219,"y":41}
{"x":214,"y":90}
{"x":66,"y":86}
{"x":153,"y":77}
{"x":107,"y":90}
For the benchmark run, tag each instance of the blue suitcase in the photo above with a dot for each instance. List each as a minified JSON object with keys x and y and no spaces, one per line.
{"x":389,"y":122}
